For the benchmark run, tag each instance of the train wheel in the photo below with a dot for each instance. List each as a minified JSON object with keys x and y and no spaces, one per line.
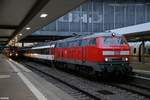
{"x":65,"y":66}
{"x":97,"y":75}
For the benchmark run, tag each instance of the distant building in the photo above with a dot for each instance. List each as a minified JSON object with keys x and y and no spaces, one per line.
{"x":99,"y":16}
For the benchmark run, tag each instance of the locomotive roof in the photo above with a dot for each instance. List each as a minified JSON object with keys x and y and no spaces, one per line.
{"x":89,"y":36}
{"x":102,"y":34}
{"x":77,"y":38}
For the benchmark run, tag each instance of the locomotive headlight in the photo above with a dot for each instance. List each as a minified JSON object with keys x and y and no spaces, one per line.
{"x":106,"y":59}
{"x":126,"y":59}
{"x":10,"y":54}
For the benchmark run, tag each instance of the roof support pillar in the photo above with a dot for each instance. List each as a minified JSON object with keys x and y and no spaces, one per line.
{"x":143,"y":51}
{"x":22,"y":44}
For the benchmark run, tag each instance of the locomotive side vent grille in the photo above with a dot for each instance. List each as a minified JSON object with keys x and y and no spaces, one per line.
{"x":105,"y":92}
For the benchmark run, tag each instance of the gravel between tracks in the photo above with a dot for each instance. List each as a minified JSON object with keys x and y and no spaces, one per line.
{"x":104,"y":91}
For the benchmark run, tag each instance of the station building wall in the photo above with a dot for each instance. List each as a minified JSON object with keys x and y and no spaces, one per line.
{"x":101,"y":15}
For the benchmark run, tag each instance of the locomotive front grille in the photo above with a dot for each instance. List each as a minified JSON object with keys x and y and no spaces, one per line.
{"x":116,"y":59}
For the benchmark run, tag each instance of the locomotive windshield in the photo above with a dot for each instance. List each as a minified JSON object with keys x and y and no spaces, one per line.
{"x":114,"y":41}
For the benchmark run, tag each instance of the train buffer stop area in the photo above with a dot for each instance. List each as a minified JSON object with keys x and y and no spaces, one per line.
{"x":74,"y":50}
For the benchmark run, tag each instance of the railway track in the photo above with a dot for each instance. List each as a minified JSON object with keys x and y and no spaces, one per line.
{"x":134,"y":88}
{"x":80,"y":91}
{"x":135,"y":84}
{"x":94,"y":92}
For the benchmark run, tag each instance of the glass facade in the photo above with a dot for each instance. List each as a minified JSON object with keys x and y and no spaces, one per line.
{"x":102,"y":15}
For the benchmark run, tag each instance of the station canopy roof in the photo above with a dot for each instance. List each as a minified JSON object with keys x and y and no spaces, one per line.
{"x":19,"y":18}
{"x":135,"y":33}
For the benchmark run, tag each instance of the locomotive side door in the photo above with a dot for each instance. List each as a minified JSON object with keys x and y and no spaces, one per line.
{"x":83,"y":54}
{"x":83,"y":50}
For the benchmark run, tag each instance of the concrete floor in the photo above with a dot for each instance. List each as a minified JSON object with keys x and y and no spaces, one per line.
{"x":11,"y":86}
{"x":140,"y":66}
{"x":20,"y":83}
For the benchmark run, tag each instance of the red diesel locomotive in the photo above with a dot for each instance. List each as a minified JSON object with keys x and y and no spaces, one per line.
{"x":101,"y":53}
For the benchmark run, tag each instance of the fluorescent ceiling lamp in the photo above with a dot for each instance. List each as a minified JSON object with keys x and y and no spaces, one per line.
{"x":125,"y":4}
{"x":20,"y":34}
{"x":44,"y":15}
{"x":28,"y":28}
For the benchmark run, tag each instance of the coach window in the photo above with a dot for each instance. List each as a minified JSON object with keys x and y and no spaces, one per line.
{"x":43,"y":51}
{"x":134,"y":51}
{"x":37,"y":51}
{"x":47,"y":51}
{"x":40,"y":51}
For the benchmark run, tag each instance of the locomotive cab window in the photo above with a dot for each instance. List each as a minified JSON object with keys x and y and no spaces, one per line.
{"x":114,"y":41}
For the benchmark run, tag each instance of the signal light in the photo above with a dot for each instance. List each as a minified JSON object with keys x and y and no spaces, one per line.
{"x":113,"y":34}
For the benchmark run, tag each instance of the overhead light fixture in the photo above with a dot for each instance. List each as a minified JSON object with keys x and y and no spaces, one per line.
{"x":20,"y":34}
{"x":28,"y":28}
{"x":44,"y":15}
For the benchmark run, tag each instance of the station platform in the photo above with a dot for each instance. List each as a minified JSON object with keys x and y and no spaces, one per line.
{"x":141,"y":68}
{"x":19,"y":83}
